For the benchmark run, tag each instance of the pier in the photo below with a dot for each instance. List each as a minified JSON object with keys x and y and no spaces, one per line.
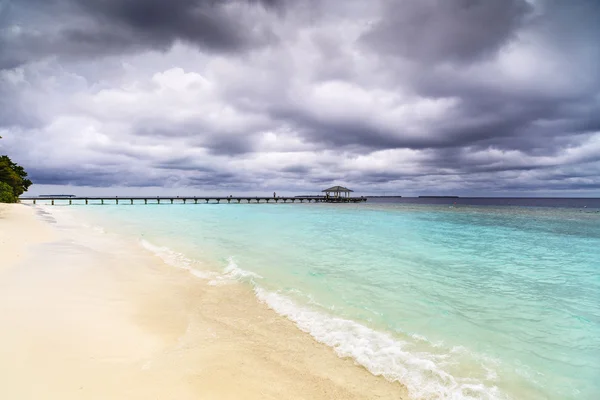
{"x":54,"y":200}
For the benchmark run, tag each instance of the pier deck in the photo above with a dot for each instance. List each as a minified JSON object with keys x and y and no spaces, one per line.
{"x":188,"y":200}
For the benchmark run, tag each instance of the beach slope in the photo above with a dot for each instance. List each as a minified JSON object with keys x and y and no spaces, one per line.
{"x":86,"y":316}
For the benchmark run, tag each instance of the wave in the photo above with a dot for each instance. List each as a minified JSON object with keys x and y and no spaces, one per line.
{"x":233,"y":273}
{"x":381,"y":354}
{"x":175,"y":259}
{"x":422,"y":373}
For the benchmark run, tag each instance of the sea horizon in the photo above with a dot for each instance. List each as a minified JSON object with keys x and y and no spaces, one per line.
{"x":553,"y":202}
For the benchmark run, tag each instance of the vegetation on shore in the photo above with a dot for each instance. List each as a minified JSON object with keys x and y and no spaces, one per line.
{"x":13,"y":180}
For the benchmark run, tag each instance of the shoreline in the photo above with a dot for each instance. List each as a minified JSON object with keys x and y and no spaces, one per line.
{"x":83,"y":316}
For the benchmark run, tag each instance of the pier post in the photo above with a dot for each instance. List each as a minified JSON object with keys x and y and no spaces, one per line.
{"x":276,"y":200}
{"x":228,"y":200}
{"x":195,"y":201}
{"x":301,"y":200}
{"x":158,"y":201}
{"x":171,"y":201}
{"x":206,"y":201}
{"x":70,"y":201}
{"x":183,"y":201}
{"x":116,"y":201}
{"x":219,"y":201}
{"x":239,"y":200}
{"x":268,"y":200}
{"x":101,"y":201}
{"x":86,"y":202}
{"x":131,"y":201}
{"x":52,"y":202}
{"x":33,"y":201}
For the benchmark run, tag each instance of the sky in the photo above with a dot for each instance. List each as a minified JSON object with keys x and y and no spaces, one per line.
{"x":406,"y":97}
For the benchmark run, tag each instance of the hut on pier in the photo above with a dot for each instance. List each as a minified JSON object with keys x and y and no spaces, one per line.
{"x":337,"y":192}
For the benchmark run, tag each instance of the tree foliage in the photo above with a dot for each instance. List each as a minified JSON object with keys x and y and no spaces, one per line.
{"x":6,"y":193}
{"x":13,"y":180}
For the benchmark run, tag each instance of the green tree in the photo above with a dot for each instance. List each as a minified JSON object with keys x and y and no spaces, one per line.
{"x":6,"y":193}
{"x":13,"y":176}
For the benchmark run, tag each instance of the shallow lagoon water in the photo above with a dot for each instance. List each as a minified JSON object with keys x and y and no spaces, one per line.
{"x":453,"y":301}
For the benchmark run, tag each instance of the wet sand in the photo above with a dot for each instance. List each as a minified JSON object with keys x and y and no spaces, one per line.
{"x":84,"y":315}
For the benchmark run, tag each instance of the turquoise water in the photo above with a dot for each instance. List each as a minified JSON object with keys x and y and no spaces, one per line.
{"x":453,"y":302}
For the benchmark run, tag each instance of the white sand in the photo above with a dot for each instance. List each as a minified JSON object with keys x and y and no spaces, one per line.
{"x":18,"y":229}
{"x":84,"y":316}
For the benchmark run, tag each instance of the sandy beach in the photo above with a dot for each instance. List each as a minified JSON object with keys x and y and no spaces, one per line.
{"x":85,"y":316}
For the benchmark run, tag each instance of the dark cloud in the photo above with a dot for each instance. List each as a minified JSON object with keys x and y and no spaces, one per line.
{"x":77,"y":177}
{"x":11,"y":112}
{"x":203,"y":22}
{"x":199,"y":134}
{"x":183,"y":164}
{"x":96,"y":28}
{"x":15,"y":106}
{"x":490,"y":119}
{"x":214,"y":179}
{"x":296,"y":169}
{"x":90,"y":176}
{"x":446,"y":30}
{"x":228,"y":145}
{"x":349,"y":132}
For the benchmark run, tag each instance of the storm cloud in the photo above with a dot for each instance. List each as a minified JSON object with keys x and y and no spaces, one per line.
{"x":97,"y":28}
{"x":469,"y":97}
{"x":447,"y":30}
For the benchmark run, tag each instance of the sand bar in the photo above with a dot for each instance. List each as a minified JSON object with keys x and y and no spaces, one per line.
{"x":86,"y":316}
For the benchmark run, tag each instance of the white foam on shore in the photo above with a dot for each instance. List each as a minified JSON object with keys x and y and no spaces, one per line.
{"x":232,"y":274}
{"x":176,"y":259}
{"x":422,"y":373}
{"x":381,"y":354}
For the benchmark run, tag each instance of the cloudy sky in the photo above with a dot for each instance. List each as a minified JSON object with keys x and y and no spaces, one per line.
{"x":466,"y":97}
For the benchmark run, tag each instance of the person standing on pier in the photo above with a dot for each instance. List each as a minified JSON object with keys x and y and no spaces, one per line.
{"x":274,"y":195}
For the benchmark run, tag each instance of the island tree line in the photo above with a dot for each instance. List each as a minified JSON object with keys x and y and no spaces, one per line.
{"x":13,"y":180}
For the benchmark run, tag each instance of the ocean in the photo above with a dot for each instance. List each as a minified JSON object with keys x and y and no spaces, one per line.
{"x":453,"y":298}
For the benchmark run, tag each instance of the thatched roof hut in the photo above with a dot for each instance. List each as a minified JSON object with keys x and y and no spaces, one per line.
{"x":337,"y":191}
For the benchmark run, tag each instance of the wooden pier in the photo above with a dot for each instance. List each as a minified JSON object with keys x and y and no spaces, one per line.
{"x":190,"y":200}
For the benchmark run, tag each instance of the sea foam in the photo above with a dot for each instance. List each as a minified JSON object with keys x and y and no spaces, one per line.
{"x":422,"y":373}
{"x":381,"y":354}
{"x":176,"y":259}
{"x":233,"y":273}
